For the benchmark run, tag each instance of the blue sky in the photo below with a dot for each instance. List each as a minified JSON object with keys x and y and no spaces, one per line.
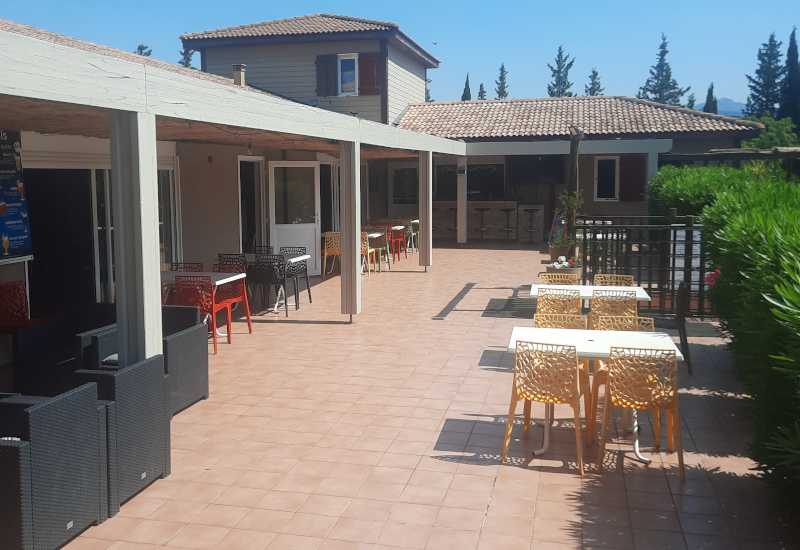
{"x":708,"y":41}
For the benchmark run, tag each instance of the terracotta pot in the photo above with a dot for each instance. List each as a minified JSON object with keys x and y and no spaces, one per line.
{"x":575,"y":270}
{"x":556,"y":252}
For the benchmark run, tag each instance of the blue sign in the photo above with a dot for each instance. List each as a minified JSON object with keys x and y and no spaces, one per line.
{"x":15,"y":230}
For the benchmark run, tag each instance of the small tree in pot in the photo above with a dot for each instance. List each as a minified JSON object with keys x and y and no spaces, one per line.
{"x":571,"y":202}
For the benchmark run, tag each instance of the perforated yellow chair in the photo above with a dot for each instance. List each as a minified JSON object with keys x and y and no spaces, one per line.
{"x":644,"y":379}
{"x":556,"y":300}
{"x":604,"y":279}
{"x":558,"y":279}
{"x":547,"y":374}
{"x":559,"y":320}
{"x":333,"y":247}
{"x":371,"y":255}
{"x":612,"y":302}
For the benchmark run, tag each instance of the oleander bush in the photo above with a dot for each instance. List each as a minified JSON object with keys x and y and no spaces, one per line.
{"x":691,"y":188}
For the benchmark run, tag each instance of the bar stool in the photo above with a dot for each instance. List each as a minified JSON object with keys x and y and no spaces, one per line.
{"x":530,"y":228}
{"x":508,"y":229}
{"x":482,"y":229}
{"x":455,"y":222}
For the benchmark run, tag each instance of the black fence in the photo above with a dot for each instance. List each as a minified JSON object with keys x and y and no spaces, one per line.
{"x":651,"y":249}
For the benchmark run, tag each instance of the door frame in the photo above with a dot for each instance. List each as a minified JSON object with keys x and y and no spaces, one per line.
{"x":260,"y":184}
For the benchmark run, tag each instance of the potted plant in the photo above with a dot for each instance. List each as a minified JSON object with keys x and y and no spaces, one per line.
{"x":559,"y":246}
{"x":563,"y":265}
{"x":571,"y":202}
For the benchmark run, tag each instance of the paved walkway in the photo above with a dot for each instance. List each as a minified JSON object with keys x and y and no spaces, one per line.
{"x":387,"y":434}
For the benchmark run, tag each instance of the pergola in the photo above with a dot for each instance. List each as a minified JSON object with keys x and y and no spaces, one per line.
{"x":65,"y":87}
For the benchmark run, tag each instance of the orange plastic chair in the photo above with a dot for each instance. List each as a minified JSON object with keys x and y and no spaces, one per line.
{"x":644,"y":379}
{"x":555,"y":300}
{"x":612,"y":302}
{"x":235,"y":291}
{"x":558,"y":279}
{"x":333,"y":247}
{"x":604,"y":279}
{"x":551,"y":375}
{"x":198,"y":291}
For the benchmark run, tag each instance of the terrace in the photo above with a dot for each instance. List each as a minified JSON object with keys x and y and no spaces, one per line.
{"x":386,"y":433}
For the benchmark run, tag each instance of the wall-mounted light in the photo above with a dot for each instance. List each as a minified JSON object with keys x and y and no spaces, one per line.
{"x":249,"y":148}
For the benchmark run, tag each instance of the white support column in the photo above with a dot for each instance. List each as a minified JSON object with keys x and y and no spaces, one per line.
{"x":461,"y":200}
{"x":350,"y":225}
{"x":425,"y":208}
{"x":136,"y":250}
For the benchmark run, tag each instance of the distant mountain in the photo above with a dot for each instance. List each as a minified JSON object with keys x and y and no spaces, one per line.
{"x":726,"y":107}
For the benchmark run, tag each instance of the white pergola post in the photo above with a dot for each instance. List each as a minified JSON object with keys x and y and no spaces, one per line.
{"x":425,"y":194}
{"x":136,"y":250}
{"x":350,"y":225}
{"x":461,"y":199}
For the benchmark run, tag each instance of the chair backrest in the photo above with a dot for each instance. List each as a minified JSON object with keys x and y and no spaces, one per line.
{"x":546,"y":373}
{"x":364,"y":243}
{"x":612,"y":302}
{"x":682,"y":305}
{"x":268,"y":269}
{"x":333,"y":242}
{"x":558,"y":320}
{"x":558,"y":279}
{"x":556,"y":300}
{"x":293,"y":250}
{"x":604,"y":279}
{"x":262,"y":249}
{"x":189,"y":267}
{"x":623,"y":322}
{"x":642,"y":378}
{"x":232,"y":259}
{"x":295,"y":268}
{"x":379,"y":241}
{"x":13,"y":304}
{"x":234,"y":289}
{"x":195,"y":290}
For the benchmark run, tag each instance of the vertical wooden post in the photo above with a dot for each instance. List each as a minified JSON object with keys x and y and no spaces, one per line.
{"x":350,"y":225}
{"x":425,"y":208}
{"x":136,"y":248}
{"x":461,"y":199}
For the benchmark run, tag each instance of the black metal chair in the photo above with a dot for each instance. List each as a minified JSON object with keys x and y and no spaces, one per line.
{"x":297,"y":269}
{"x":238,"y":259}
{"x":262,"y":249}
{"x":679,"y":322}
{"x":269,"y":270}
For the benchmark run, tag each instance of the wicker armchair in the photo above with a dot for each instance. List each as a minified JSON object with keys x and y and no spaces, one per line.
{"x":612,"y":302}
{"x":333,"y":247}
{"x":552,"y":300}
{"x":558,"y":279}
{"x":296,"y":270}
{"x":604,"y":279}
{"x":559,"y":320}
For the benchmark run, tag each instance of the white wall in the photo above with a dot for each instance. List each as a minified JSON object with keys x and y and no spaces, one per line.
{"x":406,"y":82}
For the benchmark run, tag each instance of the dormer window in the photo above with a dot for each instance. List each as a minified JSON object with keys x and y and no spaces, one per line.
{"x":348,"y":74}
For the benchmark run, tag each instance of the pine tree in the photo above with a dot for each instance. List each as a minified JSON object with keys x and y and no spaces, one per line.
{"x":660,"y":86}
{"x":466,"y":95}
{"x":427,"y":90}
{"x":501,"y":89}
{"x":594,"y":87}
{"x":481,"y":92}
{"x":690,"y":101}
{"x":560,"y":73}
{"x":765,"y":86}
{"x":143,"y":51}
{"x":186,"y":58}
{"x":790,"y":91}
{"x":711,"y":101}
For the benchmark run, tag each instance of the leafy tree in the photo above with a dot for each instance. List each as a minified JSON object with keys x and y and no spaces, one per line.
{"x":690,"y":101}
{"x":466,"y":95}
{"x":660,"y":86}
{"x":765,"y":86}
{"x":143,"y":51}
{"x":186,"y":58}
{"x":594,"y":87}
{"x":501,"y":89}
{"x":711,"y":101}
{"x":427,"y":90}
{"x":481,"y":92}
{"x":560,"y":73}
{"x":776,"y":133}
{"x":790,"y":91}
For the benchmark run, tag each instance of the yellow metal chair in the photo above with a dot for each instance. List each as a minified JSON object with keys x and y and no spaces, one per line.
{"x":559,"y":320}
{"x":612,"y":302}
{"x":558,"y":279}
{"x":551,"y":375}
{"x":603,"y":279}
{"x":555,"y":300}
{"x":333,"y":247}
{"x":644,"y":379}
{"x":369,"y":254}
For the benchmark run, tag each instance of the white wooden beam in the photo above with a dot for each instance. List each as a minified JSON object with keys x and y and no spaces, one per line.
{"x":136,"y":248}
{"x":350,"y":220}
{"x":561,"y":147}
{"x":461,"y":200}
{"x":425,"y":202}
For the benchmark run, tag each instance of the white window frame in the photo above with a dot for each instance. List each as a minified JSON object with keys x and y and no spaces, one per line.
{"x":341,"y":57}
{"x":615,"y":198}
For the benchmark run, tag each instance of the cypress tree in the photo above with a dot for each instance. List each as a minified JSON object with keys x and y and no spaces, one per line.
{"x":427,"y":90}
{"x":790,"y":91}
{"x":660,"y":86}
{"x":481,"y":92}
{"x":690,"y":101}
{"x":594,"y":87}
{"x":765,"y":86}
{"x":501,"y":90}
{"x":711,"y":101}
{"x":466,"y":95}
{"x":560,"y":85}
{"x":186,"y":58}
{"x":143,"y":50}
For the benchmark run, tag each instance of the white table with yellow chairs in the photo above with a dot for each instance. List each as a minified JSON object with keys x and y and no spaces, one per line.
{"x":587,"y":290}
{"x":590,"y":344}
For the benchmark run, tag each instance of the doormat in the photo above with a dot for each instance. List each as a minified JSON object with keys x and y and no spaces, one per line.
{"x":510,"y":308}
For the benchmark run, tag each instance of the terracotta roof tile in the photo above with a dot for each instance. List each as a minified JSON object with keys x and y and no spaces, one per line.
{"x":320,"y":23}
{"x":551,"y":118}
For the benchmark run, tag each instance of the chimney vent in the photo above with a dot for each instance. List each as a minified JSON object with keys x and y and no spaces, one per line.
{"x":238,"y":74}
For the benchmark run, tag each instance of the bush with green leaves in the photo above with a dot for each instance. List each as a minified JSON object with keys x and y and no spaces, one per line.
{"x":689,"y":189}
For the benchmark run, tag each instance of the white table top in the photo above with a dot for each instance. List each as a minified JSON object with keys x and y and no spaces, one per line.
{"x":290,"y":258}
{"x":593,"y":344}
{"x":168,"y":277}
{"x":587,"y":290}
{"x":374,"y":235}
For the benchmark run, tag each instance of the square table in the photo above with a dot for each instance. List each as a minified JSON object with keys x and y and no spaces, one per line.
{"x":587,"y":290}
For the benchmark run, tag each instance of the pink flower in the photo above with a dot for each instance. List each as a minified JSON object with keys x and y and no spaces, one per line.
{"x":711,"y":278}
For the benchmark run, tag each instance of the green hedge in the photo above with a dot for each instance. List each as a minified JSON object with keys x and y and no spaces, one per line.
{"x":752,"y":234}
{"x":690,"y":188}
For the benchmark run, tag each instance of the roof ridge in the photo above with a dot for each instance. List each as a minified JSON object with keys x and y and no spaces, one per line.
{"x":695,"y":112}
{"x":277,"y":22}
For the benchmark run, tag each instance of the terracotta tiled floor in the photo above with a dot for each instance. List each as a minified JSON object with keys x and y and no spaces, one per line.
{"x":386,"y":434}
